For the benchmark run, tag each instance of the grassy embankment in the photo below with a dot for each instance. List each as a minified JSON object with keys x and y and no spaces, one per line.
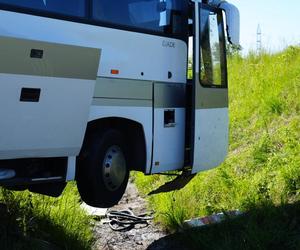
{"x":261,"y":175}
{"x":31,"y":221}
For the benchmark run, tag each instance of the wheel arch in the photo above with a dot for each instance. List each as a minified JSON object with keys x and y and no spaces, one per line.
{"x":133,"y":132}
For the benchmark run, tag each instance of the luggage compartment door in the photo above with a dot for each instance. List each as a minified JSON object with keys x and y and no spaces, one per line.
{"x":45,"y":97}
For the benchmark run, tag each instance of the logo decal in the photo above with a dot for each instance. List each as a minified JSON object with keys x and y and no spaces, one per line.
{"x":168,"y":44}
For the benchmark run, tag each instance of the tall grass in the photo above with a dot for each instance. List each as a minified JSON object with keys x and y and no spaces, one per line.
{"x":32,"y":221}
{"x":263,"y":165}
{"x":264,"y":227}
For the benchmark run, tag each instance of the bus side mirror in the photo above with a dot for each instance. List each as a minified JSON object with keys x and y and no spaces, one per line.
{"x":232,"y":22}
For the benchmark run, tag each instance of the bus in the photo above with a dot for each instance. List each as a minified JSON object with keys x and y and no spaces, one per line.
{"x":92,"y":89}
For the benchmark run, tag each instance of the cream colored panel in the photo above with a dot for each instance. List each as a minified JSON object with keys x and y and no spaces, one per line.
{"x":135,"y":55}
{"x":27,"y":57}
{"x":123,"y":89}
{"x":211,"y":138}
{"x":121,"y":102}
{"x":169,"y":142}
{"x":53,"y":127}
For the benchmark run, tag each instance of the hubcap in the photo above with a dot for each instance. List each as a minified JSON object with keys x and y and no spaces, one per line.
{"x":114,"y":168}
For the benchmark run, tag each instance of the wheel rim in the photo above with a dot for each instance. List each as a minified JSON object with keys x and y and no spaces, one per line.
{"x":114,"y":168}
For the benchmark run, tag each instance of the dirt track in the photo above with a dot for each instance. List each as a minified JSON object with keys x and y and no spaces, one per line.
{"x":138,"y":238}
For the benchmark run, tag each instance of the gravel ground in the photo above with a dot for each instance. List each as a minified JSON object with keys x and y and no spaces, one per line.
{"x":151,"y":237}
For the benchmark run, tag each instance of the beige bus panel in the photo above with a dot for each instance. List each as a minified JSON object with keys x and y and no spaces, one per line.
{"x":55,"y":123}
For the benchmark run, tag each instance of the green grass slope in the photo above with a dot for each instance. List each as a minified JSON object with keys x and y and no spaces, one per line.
{"x":263,"y":228}
{"x":263,"y":165}
{"x":32,"y":221}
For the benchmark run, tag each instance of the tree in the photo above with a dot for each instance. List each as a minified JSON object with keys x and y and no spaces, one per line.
{"x":233,"y":50}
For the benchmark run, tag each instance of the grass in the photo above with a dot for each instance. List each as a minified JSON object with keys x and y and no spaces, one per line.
{"x":264,"y":227}
{"x":32,"y":221}
{"x":263,"y":165}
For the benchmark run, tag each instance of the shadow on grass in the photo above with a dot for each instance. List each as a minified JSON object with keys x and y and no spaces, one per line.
{"x":39,"y":234}
{"x":263,"y":227}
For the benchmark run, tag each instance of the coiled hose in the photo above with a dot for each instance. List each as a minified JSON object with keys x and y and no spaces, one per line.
{"x":125,"y":220}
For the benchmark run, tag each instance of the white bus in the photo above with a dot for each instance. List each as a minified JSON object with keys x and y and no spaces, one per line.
{"x":91,"y":89}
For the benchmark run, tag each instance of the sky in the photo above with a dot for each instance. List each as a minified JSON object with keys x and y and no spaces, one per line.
{"x":279,"y":22}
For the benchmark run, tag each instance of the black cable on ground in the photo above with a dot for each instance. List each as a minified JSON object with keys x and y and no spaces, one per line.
{"x":125,"y":220}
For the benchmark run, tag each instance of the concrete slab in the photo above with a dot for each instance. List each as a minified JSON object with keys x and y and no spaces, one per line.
{"x":94,"y":211}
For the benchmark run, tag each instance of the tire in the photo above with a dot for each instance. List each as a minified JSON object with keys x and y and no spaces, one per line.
{"x":102,"y":169}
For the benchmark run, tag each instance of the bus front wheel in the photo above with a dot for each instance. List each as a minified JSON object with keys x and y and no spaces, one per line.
{"x":102,"y":171}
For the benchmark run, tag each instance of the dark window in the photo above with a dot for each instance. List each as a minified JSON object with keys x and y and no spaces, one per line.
{"x":212,"y":44}
{"x":165,"y":16}
{"x":65,"y":7}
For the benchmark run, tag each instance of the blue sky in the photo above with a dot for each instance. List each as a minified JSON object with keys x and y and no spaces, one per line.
{"x":279,"y":22}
